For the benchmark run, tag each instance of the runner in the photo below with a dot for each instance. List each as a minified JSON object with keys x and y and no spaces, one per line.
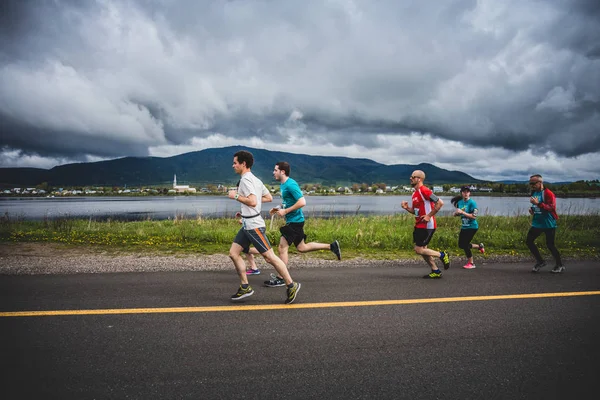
{"x":251,"y":268}
{"x":253,"y":230}
{"x":425,"y":205}
{"x":543,"y":209}
{"x":293,"y":232}
{"x":466,"y":208}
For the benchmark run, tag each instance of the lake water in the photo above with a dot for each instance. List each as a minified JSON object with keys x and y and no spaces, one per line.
{"x":160,"y":207}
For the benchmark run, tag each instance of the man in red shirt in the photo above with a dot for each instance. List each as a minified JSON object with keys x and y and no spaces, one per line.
{"x":425,"y":205}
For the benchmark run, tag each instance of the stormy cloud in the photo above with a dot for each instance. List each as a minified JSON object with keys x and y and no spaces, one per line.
{"x":464,"y":84}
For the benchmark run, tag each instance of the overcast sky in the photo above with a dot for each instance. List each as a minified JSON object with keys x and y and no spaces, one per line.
{"x":497,"y":89}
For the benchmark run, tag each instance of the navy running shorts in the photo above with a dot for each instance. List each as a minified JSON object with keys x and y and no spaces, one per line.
{"x":256,"y":237}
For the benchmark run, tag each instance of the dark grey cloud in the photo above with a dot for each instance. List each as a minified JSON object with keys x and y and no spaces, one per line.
{"x":111,"y":78}
{"x":58,"y":143}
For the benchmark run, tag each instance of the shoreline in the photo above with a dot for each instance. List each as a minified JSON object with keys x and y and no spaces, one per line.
{"x":49,"y":259}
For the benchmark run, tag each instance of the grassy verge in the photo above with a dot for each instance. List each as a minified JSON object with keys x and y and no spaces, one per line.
{"x":369,"y":237}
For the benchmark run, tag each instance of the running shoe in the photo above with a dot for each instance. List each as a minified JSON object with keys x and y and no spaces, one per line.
{"x":536,"y":267}
{"x":242,"y":293}
{"x":446,"y":259}
{"x":481,"y":248}
{"x":469,"y":266}
{"x":253,"y":271}
{"x":558,"y":269}
{"x":275,"y":281}
{"x":335,"y":249}
{"x":292,"y":292}
{"x":434,"y":275}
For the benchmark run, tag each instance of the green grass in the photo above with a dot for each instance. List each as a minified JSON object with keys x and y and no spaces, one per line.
{"x":370,"y":237}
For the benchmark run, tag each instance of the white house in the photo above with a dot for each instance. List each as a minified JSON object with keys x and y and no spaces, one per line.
{"x":182,"y":188}
{"x":438,"y":189}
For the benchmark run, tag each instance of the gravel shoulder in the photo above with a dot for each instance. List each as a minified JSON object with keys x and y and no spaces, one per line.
{"x":47,"y":258}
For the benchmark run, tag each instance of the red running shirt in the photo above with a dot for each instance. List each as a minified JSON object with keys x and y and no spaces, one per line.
{"x":422,"y":204}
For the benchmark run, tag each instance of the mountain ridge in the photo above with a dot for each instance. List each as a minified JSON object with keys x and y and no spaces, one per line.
{"x":213,"y":166}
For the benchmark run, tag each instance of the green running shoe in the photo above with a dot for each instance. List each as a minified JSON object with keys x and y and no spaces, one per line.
{"x":446,"y":259}
{"x":433,"y":275}
{"x":242,"y":293}
{"x":292,"y":292}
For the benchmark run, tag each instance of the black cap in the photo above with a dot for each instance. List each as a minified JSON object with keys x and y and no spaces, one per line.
{"x":465,"y":189}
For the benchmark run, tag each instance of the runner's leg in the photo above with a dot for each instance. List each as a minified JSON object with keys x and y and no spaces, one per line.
{"x":530,"y":242}
{"x":550,"y":236}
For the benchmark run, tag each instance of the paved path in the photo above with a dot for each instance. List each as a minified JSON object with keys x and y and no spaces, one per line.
{"x":181,"y":339}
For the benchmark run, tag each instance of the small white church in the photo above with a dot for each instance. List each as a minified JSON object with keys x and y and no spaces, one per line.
{"x":182,"y":188}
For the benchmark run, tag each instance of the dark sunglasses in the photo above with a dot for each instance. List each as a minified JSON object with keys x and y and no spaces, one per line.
{"x":414,"y":177}
{"x":533,"y":183}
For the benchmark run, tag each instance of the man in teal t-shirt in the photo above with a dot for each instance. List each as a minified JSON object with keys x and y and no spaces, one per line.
{"x":293,"y":232}
{"x":290,"y":194}
{"x":543,"y":209}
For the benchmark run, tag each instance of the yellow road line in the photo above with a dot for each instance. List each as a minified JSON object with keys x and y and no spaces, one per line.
{"x":291,"y":306}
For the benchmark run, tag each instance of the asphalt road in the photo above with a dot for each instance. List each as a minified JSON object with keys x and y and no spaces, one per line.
{"x":520,"y":348}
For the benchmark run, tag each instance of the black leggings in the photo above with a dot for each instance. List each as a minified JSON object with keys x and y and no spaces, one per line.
{"x":550,"y":234}
{"x":464,"y":240}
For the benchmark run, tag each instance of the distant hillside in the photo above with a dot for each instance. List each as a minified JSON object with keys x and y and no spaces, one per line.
{"x":512,"y":182}
{"x":399,"y":173}
{"x":214,"y":166}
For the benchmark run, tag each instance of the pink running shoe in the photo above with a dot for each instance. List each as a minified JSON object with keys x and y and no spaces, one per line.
{"x":469,"y":266}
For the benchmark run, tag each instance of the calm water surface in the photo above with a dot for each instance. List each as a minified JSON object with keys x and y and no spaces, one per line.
{"x":160,"y":207}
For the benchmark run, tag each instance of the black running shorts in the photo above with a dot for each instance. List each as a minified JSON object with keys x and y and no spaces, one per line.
{"x":422,"y":236}
{"x":293,"y":232}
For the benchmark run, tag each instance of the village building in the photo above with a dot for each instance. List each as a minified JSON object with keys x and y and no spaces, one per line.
{"x":181,"y":188}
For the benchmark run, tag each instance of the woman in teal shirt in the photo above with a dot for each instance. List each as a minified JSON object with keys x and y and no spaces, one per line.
{"x":466,"y":208}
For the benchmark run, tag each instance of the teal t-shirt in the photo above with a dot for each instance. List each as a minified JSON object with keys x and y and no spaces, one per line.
{"x":290,"y":194}
{"x":541,"y":218}
{"x":469,"y":207}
